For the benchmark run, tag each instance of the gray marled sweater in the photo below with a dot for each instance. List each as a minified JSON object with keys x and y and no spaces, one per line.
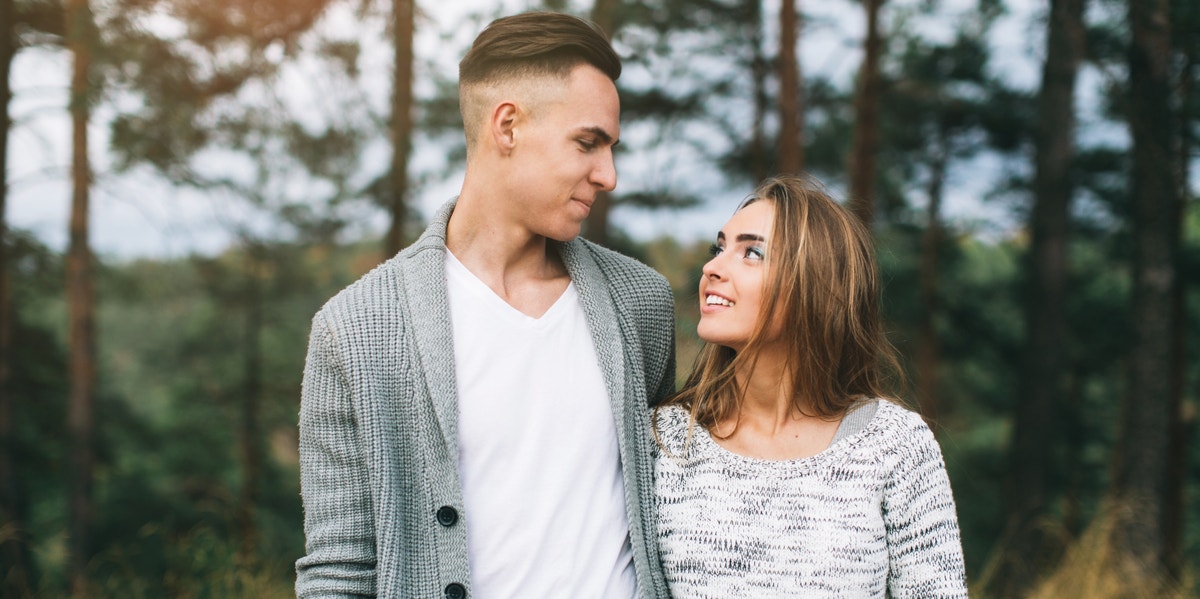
{"x":871,"y":516}
{"x":383,"y":511}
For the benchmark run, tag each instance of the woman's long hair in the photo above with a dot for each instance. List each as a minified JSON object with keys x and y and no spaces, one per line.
{"x":821,"y":305}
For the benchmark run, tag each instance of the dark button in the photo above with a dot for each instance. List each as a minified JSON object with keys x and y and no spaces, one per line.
{"x":447,"y":516}
{"x":456,"y":591}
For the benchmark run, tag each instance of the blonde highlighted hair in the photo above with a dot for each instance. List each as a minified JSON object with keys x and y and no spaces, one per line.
{"x":821,"y":304}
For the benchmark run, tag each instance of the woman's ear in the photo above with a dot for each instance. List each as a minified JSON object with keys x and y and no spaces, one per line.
{"x":503,"y":126}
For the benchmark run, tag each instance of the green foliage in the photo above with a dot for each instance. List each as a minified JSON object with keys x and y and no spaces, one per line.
{"x":185,"y":344}
{"x":173,"y":354}
{"x":173,"y":350}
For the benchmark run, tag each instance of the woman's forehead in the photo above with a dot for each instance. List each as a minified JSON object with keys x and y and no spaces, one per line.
{"x":752,"y":219}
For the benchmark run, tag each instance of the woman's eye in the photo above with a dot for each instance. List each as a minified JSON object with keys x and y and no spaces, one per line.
{"x":715,"y":249}
{"x":755,"y":253}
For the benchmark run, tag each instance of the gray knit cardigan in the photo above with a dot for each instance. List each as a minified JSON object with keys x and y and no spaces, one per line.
{"x":378,"y":420}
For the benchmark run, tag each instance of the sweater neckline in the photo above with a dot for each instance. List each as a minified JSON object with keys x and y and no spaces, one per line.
{"x":843,"y":442}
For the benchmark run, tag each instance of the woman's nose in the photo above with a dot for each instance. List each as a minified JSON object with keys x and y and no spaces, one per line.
{"x":712,"y":268}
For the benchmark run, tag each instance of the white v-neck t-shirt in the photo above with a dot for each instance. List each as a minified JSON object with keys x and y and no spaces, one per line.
{"x":544,"y":500}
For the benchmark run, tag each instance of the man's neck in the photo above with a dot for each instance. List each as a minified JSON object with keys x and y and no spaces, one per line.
{"x":521,"y":267}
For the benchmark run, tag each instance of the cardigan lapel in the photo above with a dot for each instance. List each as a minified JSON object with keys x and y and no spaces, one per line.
{"x":428,"y":306}
{"x":603,"y":323}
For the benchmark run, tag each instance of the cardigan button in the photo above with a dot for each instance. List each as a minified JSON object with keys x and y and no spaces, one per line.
{"x":447,"y":516}
{"x":456,"y":591}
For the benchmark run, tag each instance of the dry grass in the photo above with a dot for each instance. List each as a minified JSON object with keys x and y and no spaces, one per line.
{"x":1092,"y":568}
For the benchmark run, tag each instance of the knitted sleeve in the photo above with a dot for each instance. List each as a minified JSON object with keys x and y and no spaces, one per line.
{"x":924,"y":548}
{"x":338,"y":525}
{"x":666,"y":343}
{"x":646,"y":296}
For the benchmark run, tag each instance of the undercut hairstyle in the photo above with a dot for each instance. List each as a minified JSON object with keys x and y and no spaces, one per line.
{"x":527,"y":45}
{"x":821,"y":304}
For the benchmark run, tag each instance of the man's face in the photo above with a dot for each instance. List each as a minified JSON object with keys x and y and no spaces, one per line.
{"x":563,"y":154}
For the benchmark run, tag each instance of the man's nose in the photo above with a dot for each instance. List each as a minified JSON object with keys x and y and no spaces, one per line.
{"x":604,"y":175}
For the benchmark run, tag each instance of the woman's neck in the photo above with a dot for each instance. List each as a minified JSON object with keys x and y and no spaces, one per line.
{"x":766,"y":389}
{"x":769,"y":423}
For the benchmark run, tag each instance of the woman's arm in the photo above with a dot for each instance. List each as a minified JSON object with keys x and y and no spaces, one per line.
{"x":924,"y":547}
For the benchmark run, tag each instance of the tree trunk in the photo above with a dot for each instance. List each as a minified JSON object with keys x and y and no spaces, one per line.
{"x":1074,"y":436}
{"x":1183,"y":417}
{"x":865,"y":142}
{"x":80,"y":308}
{"x":1027,"y":549}
{"x":604,"y":15}
{"x":251,"y":448}
{"x":791,"y":93}
{"x":14,"y":555}
{"x":402,"y":124}
{"x":759,"y":70}
{"x":928,"y":348}
{"x":1139,"y":484}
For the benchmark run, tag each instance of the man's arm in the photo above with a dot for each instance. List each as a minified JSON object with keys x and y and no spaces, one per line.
{"x":338,"y":522}
{"x":666,"y":385}
{"x":666,"y":336}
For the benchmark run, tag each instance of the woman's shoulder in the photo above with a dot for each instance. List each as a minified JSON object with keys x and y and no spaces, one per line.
{"x":671,"y":427}
{"x":895,"y":416}
{"x":900,"y":431}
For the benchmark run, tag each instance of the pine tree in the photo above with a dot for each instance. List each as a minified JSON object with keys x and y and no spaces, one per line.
{"x":1138,"y":490}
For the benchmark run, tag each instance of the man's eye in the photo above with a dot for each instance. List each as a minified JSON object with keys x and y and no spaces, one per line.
{"x":587,"y":144}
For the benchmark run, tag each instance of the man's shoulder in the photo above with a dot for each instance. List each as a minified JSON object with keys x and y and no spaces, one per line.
{"x":624,"y":271}
{"x":377,"y":290}
{"x":382,"y":286}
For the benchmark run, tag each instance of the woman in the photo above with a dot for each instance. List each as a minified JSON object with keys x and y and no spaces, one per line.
{"x":783,"y":469}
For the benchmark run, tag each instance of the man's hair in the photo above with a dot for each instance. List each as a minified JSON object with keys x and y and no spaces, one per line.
{"x":532,"y":44}
{"x":821,"y":298}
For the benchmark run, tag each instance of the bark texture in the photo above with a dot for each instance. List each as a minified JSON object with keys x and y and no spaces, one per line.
{"x":1028,"y":549}
{"x":864,"y":148}
{"x":1139,"y":484}
{"x":791,"y":94}
{"x":402,"y":122}
{"x":80,"y":308}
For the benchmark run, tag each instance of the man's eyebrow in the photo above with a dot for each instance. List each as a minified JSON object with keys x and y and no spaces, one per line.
{"x":602,"y":135}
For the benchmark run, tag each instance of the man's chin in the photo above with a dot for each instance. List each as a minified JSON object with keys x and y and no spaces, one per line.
{"x":565,"y":238}
{"x":565,"y":234}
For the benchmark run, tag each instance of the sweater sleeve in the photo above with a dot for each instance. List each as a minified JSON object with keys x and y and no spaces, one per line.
{"x":666,"y":384}
{"x":339,"y":556}
{"x":924,"y":547}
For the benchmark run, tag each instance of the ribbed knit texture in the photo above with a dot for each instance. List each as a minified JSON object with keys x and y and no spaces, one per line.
{"x":871,"y":516}
{"x":378,"y":412}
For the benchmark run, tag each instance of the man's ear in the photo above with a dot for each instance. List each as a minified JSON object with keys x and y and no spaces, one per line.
{"x":503,"y":126}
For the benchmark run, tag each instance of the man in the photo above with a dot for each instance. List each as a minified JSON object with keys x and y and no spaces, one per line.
{"x":474,"y":416}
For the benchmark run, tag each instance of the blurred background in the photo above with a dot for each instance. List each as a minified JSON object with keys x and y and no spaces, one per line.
{"x":187,"y":181}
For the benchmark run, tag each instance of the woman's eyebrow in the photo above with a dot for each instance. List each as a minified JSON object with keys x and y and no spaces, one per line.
{"x":749,"y":237}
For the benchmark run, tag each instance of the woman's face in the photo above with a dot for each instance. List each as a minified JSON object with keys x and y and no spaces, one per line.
{"x":731,"y":287}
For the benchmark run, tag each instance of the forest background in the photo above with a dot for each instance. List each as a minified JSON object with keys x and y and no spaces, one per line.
{"x":1036,"y":229}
